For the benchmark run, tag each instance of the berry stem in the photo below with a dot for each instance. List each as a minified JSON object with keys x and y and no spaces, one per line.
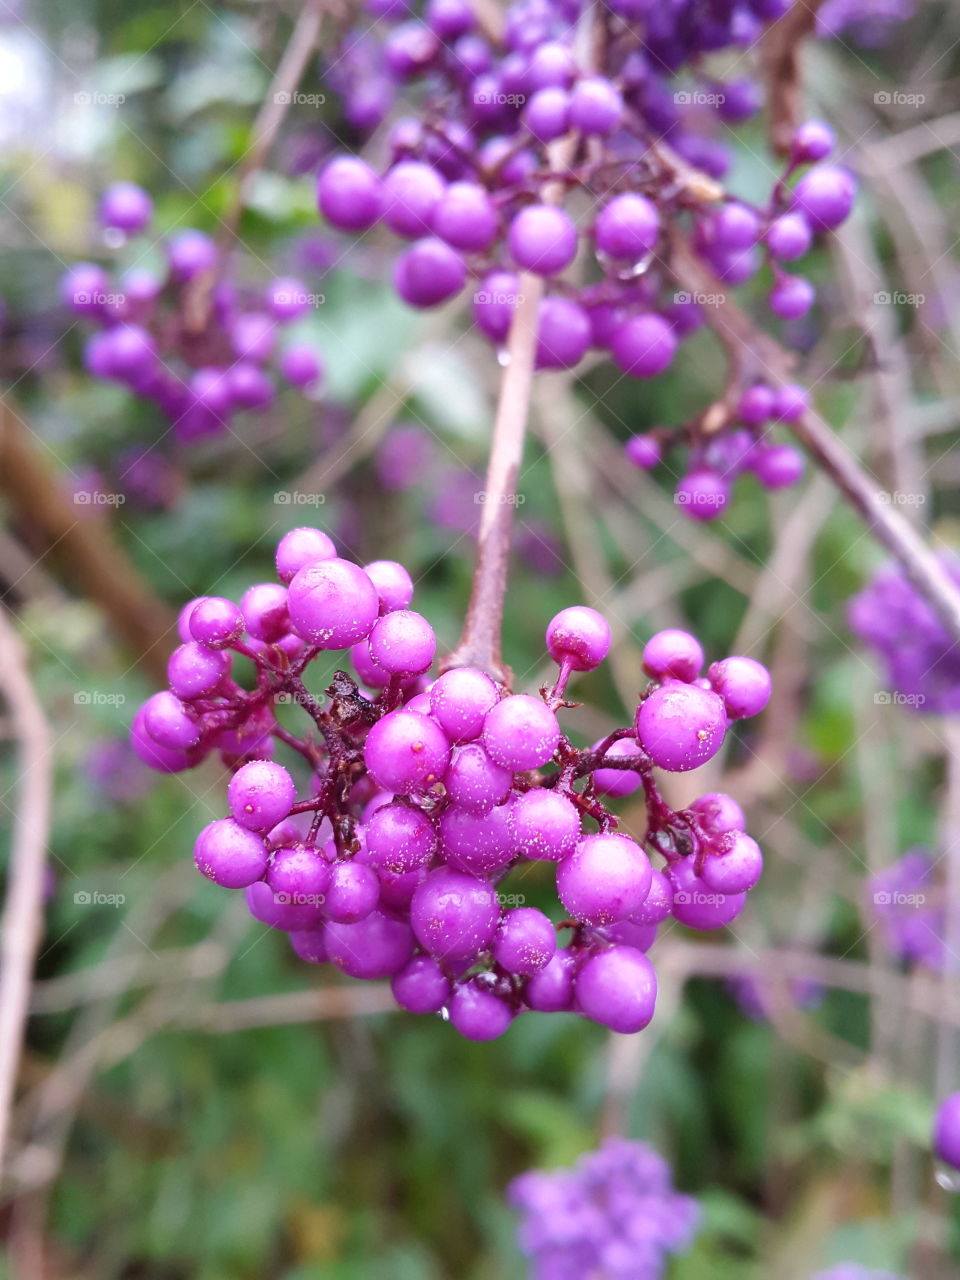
{"x":480,"y":642}
{"x":754,"y":354}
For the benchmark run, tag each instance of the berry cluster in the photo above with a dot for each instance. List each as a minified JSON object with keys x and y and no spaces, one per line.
{"x":475,"y":181}
{"x":186,"y":340}
{"x":615,"y":1214}
{"x":421,"y":795}
{"x":922,"y":662}
{"x":744,"y":444}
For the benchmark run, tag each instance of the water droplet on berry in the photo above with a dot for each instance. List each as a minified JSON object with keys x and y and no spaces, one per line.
{"x":947,"y":1178}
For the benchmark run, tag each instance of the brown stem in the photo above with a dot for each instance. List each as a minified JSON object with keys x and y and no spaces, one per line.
{"x":754,"y":354}
{"x":22,"y":914}
{"x":780,"y":55}
{"x":480,"y":642}
{"x":80,"y":539}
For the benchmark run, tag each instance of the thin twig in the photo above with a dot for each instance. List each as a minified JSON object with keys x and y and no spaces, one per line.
{"x":23,"y":910}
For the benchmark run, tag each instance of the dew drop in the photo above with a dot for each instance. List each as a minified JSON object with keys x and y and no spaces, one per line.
{"x":503,"y":357}
{"x":948,"y":1178}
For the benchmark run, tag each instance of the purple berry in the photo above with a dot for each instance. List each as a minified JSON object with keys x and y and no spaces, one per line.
{"x":578,"y":636}
{"x":542,"y":239}
{"x":812,"y":141}
{"x":946,"y":1134}
{"x":825,"y":196}
{"x":479,"y":1013}
{"x":703,"y":495}
{"x":618,"y":782}
{"x":681,"y":726}
{"x":264,"y":609}
{"x":743,"y":684}
{"x":792,"y":297}
{"x":563,"y":333}
{"x":737,"y":868}
{"x":520,"y":733}
{"x":215,"y":623}
{"x":547,"y":113}
{"x":171,"y":723}
{"x":526,"y":941}
{"x":428,"y":273}
{"x":406,"y":752}
{"x":778,"y":466}
{"x":301,"y":366}
{"x":453,"y":915}
{"x":194,"y":671}
{"x":473,"y":782}
{"x":393,"y":584}
{"x":400,"y":838}
{"x":465,"y":217}
{"x":596,"y":106}
{"x":190,"y":253}
{"x":789,"y":237}
{"x":643,"y":346}
{"x":377,"y":946}
{"x":673,"y":653}
{"x":126,"y":207}
{"x":618,"y":989}
{"x":332,"y":603}
{"x":460,"y":700}
{"x":644,"y":452}
{"x":605,"y":879}
{"x":421,"y":986}
{"x":756,"y":405}
{"x":261,"y":794}
{"x":627,"y":227}
{"x":551,"y":990}
{"x":403,"y":643}
{"x":478,"y":844}
{"x":353,"y":892}
{"x":546,"y":825}
{"x":299,"y":548}
{"x":229,"y":855}
{"x":349,"y":194}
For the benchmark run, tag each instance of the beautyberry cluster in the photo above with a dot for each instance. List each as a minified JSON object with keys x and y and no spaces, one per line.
{"x":744,"y":444}
{"x":186,"y":339}
{"x":475,"y":181}
{"x":614,"y":1214}
{"x":922,"y":661}
{"x":418,"y":796}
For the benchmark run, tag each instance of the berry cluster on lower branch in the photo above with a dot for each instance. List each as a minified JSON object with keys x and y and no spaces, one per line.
{"x":419,"y":796}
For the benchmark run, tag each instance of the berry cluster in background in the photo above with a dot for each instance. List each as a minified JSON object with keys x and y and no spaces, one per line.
{"x":186,"y":338}
{"x":419,"y":797}
{"x":614,"y":1213}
